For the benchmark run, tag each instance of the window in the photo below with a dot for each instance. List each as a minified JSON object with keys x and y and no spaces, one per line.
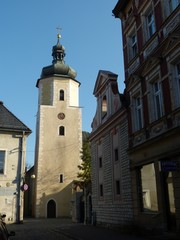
{"x":117,"y":186}
{"x":132,"y":45}
{"x":101,"y":193}
{"x":157,"y":100}
{"x":172,"y":4}
{"x":116,"y":155}
{"x":150,"y":24}
{"x":149,"y":191}
{"x":61,"y":95}
{"x":61,"y":178}
{"x":61,"y":131}
{"x":104,"y":106}
{"x":138,"y":123}
{"x":100,"y":162}
{"x":177,"y":84}
{"x":148,"y":21}
{"x":2,"y":161}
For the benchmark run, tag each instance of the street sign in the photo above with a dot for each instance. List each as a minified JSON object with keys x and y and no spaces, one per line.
{"x":25,"y":187}
{"x":168,"y":166}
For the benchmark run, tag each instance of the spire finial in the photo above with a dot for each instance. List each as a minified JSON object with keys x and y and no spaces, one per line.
{"x":58,"y":33}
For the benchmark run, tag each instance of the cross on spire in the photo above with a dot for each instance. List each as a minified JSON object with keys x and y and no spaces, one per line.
{"x":58,"y":32}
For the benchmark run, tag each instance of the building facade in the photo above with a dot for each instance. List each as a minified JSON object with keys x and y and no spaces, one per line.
{"x":13,"y":137}
{"x":58,"y":137}
{"x":151,"y":45}
{"x":111,"y":182}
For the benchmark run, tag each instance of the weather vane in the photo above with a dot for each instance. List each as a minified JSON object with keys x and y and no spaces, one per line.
{"x":58,"y":32}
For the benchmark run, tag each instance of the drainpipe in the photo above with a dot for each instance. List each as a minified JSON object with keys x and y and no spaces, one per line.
{"x":20,"y":178}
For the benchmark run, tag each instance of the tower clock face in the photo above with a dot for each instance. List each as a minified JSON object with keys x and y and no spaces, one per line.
{"x":61,"y":115}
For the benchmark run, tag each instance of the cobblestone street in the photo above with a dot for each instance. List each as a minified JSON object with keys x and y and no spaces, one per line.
{"x":64,"y":229}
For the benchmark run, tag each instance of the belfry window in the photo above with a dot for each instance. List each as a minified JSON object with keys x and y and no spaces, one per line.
{"x":61,"y":131}
{"x":61,"y":95}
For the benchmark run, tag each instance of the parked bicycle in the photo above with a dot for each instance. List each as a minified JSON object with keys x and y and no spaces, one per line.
{"x":4,"y":234}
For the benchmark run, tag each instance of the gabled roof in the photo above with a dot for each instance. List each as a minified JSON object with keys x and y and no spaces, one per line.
{"x":102,"y":78}
{"x":9,"y":122}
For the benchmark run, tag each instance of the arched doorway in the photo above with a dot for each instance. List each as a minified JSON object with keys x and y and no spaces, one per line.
{"x":51,"y":209}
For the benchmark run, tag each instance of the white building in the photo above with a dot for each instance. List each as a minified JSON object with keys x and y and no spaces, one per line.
{"x":13,"y":136}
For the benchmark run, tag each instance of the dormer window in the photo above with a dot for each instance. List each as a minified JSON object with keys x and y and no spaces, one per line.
{"x":104,"y":106}
{"x":61,"y":95}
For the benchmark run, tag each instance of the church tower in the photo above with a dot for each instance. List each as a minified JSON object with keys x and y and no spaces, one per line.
{"x":58,"y":137}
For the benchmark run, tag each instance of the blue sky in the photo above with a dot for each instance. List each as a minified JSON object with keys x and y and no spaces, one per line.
{"x":92,"y":39}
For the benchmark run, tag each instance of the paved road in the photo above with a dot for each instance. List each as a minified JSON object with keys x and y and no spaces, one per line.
{"x":64,"y":229}
{"x":39,"y":229}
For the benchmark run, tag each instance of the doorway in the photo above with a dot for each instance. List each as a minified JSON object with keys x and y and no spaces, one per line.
{"x":51,"y":209}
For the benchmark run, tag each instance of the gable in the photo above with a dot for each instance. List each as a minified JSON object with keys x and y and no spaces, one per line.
{"x":102,"y":78}
{"x":8,"y":121}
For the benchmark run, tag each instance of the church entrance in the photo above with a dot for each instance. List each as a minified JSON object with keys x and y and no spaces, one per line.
{"x":51,"y":209}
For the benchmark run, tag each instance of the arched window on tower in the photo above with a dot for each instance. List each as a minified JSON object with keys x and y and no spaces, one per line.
{"x":61,"y":95}
{"x":61,"y":131}
{"x":104,"y":106}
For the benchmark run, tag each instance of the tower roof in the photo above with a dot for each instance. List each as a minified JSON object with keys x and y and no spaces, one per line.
{"x":58,"y":67}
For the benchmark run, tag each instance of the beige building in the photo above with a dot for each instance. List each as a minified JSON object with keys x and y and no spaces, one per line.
{"x":13,"y":136}
{"x":58,"y":137}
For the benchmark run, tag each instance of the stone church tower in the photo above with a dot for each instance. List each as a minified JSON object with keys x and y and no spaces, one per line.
{"x":58,"y":137}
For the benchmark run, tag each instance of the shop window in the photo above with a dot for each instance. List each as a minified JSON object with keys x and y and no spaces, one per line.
{"x":149,"y":191}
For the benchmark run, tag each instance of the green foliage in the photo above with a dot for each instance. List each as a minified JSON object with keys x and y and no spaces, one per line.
{"x":84,"y":173}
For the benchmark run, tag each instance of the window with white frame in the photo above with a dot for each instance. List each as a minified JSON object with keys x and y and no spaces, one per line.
{"x":132,"y":45}
{"x":155,"y":100}
{"x":2,"y":161}
{"x":172,"y":4}
{"x":149,"y":26}
{"x":178,"y":83}
{"x":137,"y":112}
{"x":175,"y":68}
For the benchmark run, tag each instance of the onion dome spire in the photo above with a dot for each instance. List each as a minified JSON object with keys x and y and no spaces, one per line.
{"x":58,"y":51}
{"x":58,"y":67}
